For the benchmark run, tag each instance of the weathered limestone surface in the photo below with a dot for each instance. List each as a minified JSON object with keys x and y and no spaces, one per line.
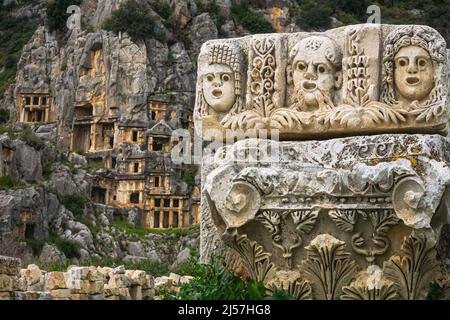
{"x":352,"y":80}
{"x":77,"y":283}
{"x":363,"y":202}
{"x":352,"y":218}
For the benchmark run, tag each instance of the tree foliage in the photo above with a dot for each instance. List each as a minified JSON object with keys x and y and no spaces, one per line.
{"x":132,"y":18}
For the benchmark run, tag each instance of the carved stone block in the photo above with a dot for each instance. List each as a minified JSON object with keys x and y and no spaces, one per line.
{"x":359,"y":79}
{"x":356,"y":217}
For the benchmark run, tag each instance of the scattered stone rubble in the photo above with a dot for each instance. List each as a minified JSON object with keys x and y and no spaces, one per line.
{"x":77,"y":283}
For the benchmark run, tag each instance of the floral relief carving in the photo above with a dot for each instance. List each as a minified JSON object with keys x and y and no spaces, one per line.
{"x":413,"y":271}
{"x":257,"y":261}
{"x":327,"y":267}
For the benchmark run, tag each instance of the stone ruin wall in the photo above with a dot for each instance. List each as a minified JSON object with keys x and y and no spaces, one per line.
{"x":78,"y":283}
{"x":350,"y":203}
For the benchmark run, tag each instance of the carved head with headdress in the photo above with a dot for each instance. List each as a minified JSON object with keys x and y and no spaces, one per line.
{"x":412,"y":54}
{"x":314,"y":70}
{"x":220,"y":82}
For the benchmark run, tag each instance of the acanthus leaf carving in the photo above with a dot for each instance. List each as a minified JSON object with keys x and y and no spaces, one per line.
{"x":257,"y":261}
{"x":291,"y":283}
{"x":327,"y":267}
{"x":304,"y":220}
{"x":345,"y":219}
{"x":413,"y":271}
{"x":370,"y":284}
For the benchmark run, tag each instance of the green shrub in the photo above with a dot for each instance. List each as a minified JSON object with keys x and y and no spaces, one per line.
{"x":47,"y":171}
{"x":132,"y":18}
{"x":435,"y":292}
{"x":8,"y":182}
{"x":215,"y":282}
{"x":255,"y":23}
{"x":81,"y":152}
{"x":15,"y":32}
{"x":74,"y":202}
{"x":154,"y":268}
{"x":71,"y":249}
{"x":9,"y":130}
{"x":30,"y":138}
{"x":57,"y":14}
{"x":213,"y":9}
{"x":315,"y":14}
{"x":36,"y":245}
{"x":189,"y":175}
{"x":162,"y":8}
{"x":4,"y":115}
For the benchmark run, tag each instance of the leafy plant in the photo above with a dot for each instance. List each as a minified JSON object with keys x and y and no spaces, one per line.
{"x":162,"y":8}
{"x":255,"y":23}
{"x":47,"y":171}
{"x":132,"y":18}
{"x":189,"y":175}
{"x":57,"y":14}
{"x":74,"y":202}
{"x":215,"y":282}
{"x":8,"y":182}
{"x":4,"y":115}
{"x":30,"y":138}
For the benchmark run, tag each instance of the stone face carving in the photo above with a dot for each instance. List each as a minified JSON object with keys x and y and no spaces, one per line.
{"x":315,"y":66}
{"x":219,"y":88}
{"x":413,"y":64}
{"x":322,"y":211}
{"x":356,"y":79}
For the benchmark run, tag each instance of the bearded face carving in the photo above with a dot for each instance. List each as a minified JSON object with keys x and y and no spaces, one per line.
{"x":413,"y":73}
{"x":315,"y":73}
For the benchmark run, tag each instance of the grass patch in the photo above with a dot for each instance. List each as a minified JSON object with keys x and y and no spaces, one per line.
{"x":122,"y":225}
{"x":8,"y":182}
{"x":71,"y":249}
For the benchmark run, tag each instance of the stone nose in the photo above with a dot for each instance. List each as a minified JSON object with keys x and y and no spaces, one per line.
{"x":412,"y":67}
{"x":310,"y":73}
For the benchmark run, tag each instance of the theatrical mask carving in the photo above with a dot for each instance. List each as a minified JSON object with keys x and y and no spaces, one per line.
{"x":220,"y":83}
{"x":411,"y":60}
{"x":315,"y":70}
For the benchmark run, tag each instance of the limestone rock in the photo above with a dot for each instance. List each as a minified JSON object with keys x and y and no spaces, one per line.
{"x":9,"y":266}
{"x":32,"y":274}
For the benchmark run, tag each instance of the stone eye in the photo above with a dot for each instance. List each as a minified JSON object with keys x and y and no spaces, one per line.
{"x":301,"y":66}
{"x":422,"y":62}
{"x":321,"y":69}
{"x":402,"y":62}
{"x":225,"y":77}
{"x":210,"y":77}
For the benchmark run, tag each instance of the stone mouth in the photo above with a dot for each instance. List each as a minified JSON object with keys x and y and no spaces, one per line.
{"x":309,"y":86}
{"x":412,"y":80}
{"x":217,"y":93}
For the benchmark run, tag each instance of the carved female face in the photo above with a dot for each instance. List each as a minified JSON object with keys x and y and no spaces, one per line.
{"x":218,"y":87}
{"x":413,"y":73}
